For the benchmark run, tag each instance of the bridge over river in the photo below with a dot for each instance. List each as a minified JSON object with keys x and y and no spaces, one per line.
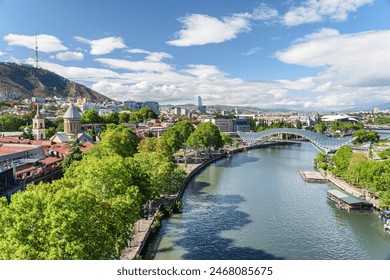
{"x":322,"y":142}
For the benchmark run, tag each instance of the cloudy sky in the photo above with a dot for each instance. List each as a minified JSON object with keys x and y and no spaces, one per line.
{"x":308,"y":54}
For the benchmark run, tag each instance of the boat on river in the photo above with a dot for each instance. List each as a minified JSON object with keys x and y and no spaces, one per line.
{"x":385,"y":216}
{"x":386,"y":226}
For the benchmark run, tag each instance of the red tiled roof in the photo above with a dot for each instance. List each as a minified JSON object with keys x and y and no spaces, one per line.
{"x":41,"y":142}
{"x":14,"y":139}
{"x":50,"y":160}
{"x":62,"y":148}
{"x":28,"y":169}
{"x":7,"y":149}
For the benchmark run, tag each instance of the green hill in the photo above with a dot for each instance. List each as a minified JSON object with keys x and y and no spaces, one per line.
{"x":27,"y":81}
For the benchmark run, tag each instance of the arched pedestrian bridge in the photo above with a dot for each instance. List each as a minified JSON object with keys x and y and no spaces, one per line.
{"x":322,"y":142}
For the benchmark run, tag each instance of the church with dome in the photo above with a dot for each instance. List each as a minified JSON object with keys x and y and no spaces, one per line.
{"x":72,"y":127}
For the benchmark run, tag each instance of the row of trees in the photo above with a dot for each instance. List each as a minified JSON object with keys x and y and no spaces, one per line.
{"x":90,"y":212}
{"x":264,"y":125}
{"x":356,"y":129}
{"x":381,"y":120}
{"x":15,"y":123}
{"x":336,"y":126}
{"x":360,"y":171}
{"x":206,"y":136}
{"x":142,"y":115}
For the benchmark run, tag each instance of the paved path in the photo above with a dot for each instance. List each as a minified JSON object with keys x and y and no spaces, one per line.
{"x":140,"y":233}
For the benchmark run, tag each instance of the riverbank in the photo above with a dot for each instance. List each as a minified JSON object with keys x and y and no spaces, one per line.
{"x":351,"y":189}
{"x":142,"y":229}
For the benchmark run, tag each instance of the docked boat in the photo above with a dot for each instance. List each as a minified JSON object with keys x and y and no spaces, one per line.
{"x":386,"y":226}
{"x":385,"y":216}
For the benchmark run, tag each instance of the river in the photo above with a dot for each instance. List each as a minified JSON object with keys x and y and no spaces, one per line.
{"x":384,"y":134}
{"x":255,"y":205}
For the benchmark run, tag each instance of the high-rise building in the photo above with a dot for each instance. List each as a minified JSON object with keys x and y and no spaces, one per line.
{"x":152,"y":105}
{"x":133,"y":105}
{"x":201,"y":108}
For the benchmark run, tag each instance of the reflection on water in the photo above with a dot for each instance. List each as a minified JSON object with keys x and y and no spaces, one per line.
{"x":255,"y":205}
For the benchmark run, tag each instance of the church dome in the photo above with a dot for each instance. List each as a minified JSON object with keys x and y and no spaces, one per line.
{"x":72,"y":113}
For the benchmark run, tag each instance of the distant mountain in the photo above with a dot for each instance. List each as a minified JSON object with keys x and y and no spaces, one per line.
{"x":27,"y":81}
{"x":384,"y":106}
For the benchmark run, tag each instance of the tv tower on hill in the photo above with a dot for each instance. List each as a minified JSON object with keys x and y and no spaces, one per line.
{"x":36,"y":52}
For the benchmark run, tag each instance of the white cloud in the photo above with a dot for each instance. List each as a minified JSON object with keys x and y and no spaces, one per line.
{"x":151,"y":56}
{"x":46,"y":43}
{"x":2,"y":53}
{"x":88,"y":74}
{"x":204,"y":72}
{"x":319,"y":10}
{"x":263,"y":12}
{"x":252,"y":51}
{"x":147,"y":66}
{"x":104,"y":45}
{"x":66,"y":56}
{"x":359,"y":59}
{"x":203,"y":29}
{"x":354,"y":69}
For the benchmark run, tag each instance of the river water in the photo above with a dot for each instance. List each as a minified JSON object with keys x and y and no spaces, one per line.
{"x":255,"y":205}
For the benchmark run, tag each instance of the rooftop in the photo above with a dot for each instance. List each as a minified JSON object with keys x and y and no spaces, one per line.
{"x":347,"y":198}
{"x":7,"y":149}
{"x":72,"y":113}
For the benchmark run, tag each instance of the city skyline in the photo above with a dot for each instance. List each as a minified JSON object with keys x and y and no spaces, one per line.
{"x":293,"y":54}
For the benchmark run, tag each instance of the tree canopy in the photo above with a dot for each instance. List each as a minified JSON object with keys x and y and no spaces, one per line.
{"x":91,"y":116}
{"x":117,"y":139}
{"x":205,"y":136}
{"x":175,"y":137}
{"x":90,"y":212}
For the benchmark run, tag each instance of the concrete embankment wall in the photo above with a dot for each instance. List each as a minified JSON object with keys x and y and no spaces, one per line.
{"x":355,"y":191}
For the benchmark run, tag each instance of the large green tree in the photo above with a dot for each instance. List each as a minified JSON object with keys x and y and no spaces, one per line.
{"x":162,"y":174}
{"x":363,"y":136}
{"x":91,"y":116}
{"x":205,"y":136}
{"x":175,"y":137}
{"x":341,"y":160}
{"x":152,"y":144}
{"x":117,"y":139}
{"x":320,"y":127}
{"x":112,"y":118}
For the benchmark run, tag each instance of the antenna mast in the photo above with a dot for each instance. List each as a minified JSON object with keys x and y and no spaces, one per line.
{"x":36,"y":52}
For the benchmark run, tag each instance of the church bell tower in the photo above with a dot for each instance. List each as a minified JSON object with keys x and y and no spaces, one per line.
{"x":38,"y":126}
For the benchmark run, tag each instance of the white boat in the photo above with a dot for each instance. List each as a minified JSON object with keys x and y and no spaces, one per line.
{"x":386,"y":226}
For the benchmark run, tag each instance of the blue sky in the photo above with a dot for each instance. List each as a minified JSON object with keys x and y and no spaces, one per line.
{"x":310,"y":54}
